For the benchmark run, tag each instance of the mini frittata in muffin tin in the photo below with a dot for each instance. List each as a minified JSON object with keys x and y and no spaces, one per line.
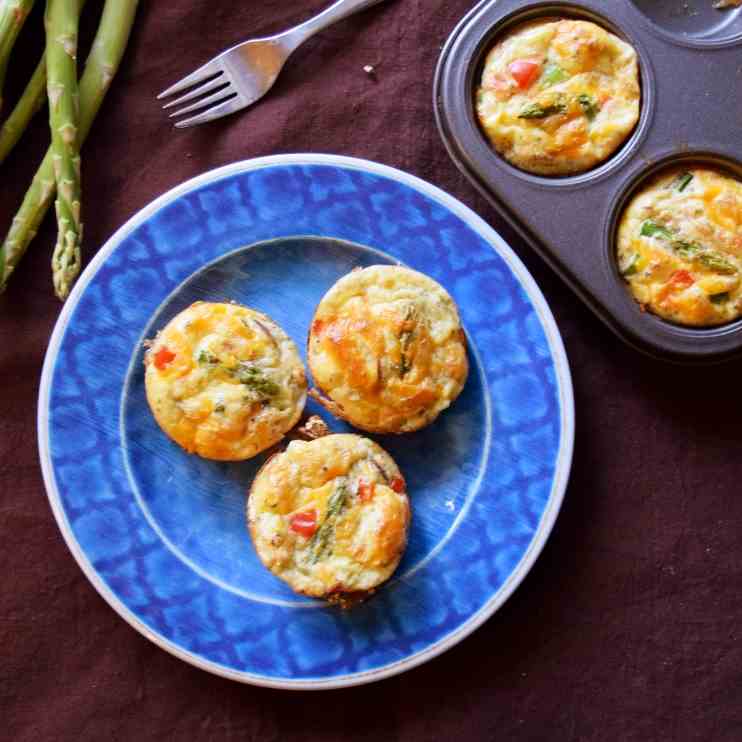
{"x":386,"y":349}
{"x":679,"y":246}
{"x":224,"y":381}
{"x":559,"y":96}
{"x":330,"y":517}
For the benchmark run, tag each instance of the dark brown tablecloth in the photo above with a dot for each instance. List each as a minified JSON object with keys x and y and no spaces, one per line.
{"x":629,"y":626}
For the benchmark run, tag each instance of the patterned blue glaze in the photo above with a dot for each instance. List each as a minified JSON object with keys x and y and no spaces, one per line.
{"x":162,"y":534}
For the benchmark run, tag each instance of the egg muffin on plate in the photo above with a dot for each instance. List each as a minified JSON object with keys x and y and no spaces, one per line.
{"x":224,"y":381}
{"x":330,"y":517}
{"x":679,"y":246}
{"x":559,"y":96}
{"x":386,"y":349}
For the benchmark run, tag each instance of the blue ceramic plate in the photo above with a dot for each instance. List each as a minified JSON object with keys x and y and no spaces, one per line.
{"x":162,"y":535}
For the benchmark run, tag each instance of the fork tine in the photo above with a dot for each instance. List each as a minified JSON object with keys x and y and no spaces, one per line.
{"x":197,"y":76}
{"x":219,"y":81}
{"x":222,"y":109}
{"x":218,"y":97}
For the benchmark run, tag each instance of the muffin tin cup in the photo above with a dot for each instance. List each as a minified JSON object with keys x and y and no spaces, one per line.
{"x":690,"y":112}
{"x":694,"y":24}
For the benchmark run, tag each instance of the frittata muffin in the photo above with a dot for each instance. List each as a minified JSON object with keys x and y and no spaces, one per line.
{"x":680,"y":246}
{"x":386,"y":349}
{"x":224,"y":381}
{"x":330,"y":517}
{"x":559,"y":96}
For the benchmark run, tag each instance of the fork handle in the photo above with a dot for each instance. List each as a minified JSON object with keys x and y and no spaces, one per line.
{"x":336,"y":12}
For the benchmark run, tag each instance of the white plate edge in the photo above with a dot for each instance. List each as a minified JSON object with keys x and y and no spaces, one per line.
{"x":563,"y":378}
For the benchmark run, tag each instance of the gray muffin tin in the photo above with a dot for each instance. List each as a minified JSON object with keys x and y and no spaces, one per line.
{"x":690,"y":58}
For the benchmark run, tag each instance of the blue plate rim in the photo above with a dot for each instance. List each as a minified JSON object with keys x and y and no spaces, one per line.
{"x":556,"y":348}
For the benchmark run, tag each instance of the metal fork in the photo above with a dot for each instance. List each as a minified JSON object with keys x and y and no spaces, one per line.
{"x":243,"y":74}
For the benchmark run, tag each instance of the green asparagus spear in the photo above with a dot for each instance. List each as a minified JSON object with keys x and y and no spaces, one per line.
{"x":321,"y":541}
{"x":715,"y":262}
{"x":13,"y":14}
{"x":651,"y":229}
{"x":553,"y":74}
{"x":28,"y":105}
{"x":589,"y":105}
{"x":254,"y":380}
{"x":536,"y":111}
{"x":105,"y":56}
{"x":719,"y":298}
{"x":630,"y":268}
{"x":683,"y":180}
{"x":62,"y":20}
{"x":690,"y":250}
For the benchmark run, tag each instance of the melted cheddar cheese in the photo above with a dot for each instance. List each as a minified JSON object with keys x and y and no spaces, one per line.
{"x":387,"y":348}
{"x":330,"y":516}
{"x":224,"y":381}
{"x":679,"y":246}
{"x":557,"y":97}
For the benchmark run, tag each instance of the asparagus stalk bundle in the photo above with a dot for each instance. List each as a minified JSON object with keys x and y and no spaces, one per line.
{"x":62,"y":19}
{"x":13,"y":14}
{"x":28,"y":105}
{"x":101,"y":66}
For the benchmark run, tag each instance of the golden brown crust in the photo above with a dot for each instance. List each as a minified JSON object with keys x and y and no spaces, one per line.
{"x":312,"y":428}
{"x":348,"y":600}
{"x":386,"y":350}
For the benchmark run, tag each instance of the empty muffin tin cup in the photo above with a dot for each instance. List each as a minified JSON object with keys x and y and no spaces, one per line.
{"x":693,"y":23}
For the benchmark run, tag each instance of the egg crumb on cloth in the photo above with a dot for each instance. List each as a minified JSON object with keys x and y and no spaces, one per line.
{"x":330,"y":517}
{"x":386,"y":349}
{"x":679,"y":246}
{"x":224,"y":381}
{"x":559,"y":96}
